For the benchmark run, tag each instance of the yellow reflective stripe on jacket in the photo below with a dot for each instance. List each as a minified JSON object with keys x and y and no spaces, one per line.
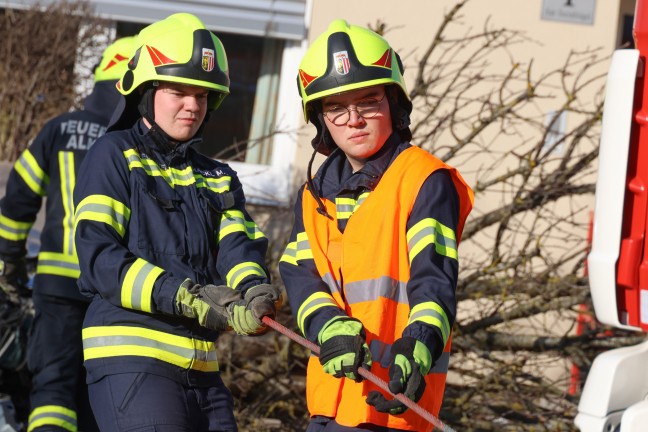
{"x":298,"y":250}
{"x":32,"y":174}
{"x":12,"y":229}
{"x":218,"y":184}
{"x":53,"y":415}
{"x":172,"y":176}
{"x":102,"y":208}
{"x":430,"y":231}
{"x":58,"y":264}
{"x":176,"y":177}
{"x":137,"y":287}
{"x":234,"y":221}
{"x":68,"y":180}
{"x":311,"y":304}
{"x":345,"y":207}
{"x":433,"y":314}
{"x":116,"y":341}
{"x":243,"y":270}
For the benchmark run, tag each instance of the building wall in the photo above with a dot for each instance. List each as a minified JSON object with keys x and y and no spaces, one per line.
{"x":413,"y":23}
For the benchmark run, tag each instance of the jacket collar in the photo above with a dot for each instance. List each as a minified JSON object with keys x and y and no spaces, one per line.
{"x":336,"y":175}
{"x":163,"y":154}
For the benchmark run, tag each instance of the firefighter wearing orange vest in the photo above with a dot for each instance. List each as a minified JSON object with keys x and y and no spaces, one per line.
{"x":371,"y":266}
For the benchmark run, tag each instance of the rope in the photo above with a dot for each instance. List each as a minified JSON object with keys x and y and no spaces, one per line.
{"x":365,"y":373}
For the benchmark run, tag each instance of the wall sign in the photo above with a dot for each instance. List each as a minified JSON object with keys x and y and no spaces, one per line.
{"x":573,"y":11}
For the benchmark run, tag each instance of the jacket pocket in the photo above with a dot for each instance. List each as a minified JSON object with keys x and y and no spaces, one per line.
{"x":161,"y":225}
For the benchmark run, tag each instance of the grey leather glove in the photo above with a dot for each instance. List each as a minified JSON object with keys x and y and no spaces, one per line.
{"x":258,"y":301}
{"x":13,"y":279}
{"x":206,"y":303}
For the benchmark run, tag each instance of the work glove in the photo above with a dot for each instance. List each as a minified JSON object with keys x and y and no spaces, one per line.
{"x":258,"y":301}
{"x":206,"y":303}
{"x":343,"y":349}
{"x":13,"y":279}
{"x":410,"y":361}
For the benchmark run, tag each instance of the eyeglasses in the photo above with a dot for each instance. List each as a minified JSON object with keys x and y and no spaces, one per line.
{"x":367,"y":108}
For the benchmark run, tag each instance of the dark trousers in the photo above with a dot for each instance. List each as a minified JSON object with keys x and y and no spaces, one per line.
{"x":145,"y":402}
{"x":326,"y":424}
{"x":55,"y":359}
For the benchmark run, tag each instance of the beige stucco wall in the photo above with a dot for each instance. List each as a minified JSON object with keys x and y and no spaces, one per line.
{"x":414,"y":22}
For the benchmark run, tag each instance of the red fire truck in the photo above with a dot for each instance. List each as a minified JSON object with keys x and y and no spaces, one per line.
{"x":615,"y":396}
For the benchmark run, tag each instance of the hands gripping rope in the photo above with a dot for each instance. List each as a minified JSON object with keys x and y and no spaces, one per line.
{"x":365,"y":373}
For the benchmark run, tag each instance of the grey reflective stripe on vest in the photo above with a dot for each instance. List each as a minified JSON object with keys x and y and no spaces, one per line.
{"x":370,"y":290}
{"x":332,"y":283}
{"x":381,"y":354}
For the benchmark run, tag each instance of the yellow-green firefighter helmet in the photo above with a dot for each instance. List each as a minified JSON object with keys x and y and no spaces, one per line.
{"x":347,"y":57}
{"x":114,"y":60}
{"x":178,"y":49}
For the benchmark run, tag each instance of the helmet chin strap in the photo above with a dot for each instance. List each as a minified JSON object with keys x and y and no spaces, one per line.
{"x":147,"y":110}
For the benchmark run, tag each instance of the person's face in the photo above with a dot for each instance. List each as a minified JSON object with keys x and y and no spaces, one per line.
{"x":180,"y":109}
{"x":360,"y":137}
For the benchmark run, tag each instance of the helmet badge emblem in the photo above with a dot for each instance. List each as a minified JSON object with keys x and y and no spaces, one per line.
{"x":342,"y":64}
{"x":208,"y":59}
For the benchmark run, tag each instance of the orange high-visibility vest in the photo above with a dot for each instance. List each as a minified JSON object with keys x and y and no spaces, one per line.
{"x":369,"y":263}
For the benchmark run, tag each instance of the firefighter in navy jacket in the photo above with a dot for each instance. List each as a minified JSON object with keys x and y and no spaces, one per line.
{"x":371,"y":265}
{"x":48,"y":169}
{"x":168,"y":253}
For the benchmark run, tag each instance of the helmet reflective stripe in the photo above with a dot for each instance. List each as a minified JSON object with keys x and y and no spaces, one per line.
{"x":178,"y":49}
{"x":114,"y":60}
{"x":345,"y":58}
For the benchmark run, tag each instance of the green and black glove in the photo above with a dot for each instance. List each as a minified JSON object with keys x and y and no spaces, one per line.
{"x":13,"y":279}
{"x":206,"y":303}
{"x":343,"y":349}
{"x":258,"y":301}
{"x":410,"y":361}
